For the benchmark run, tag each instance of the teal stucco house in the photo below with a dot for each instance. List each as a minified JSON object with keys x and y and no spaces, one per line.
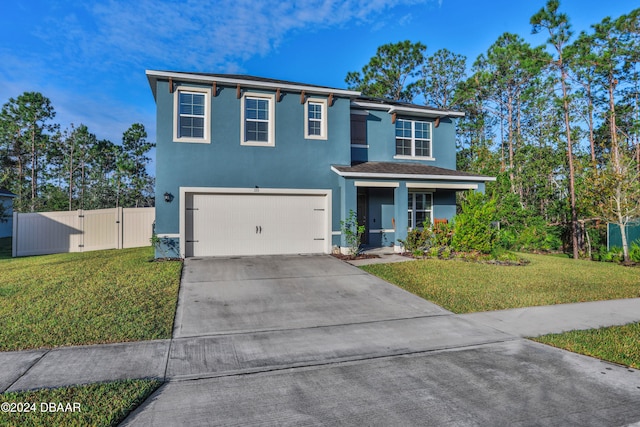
{"x":255,"y":166}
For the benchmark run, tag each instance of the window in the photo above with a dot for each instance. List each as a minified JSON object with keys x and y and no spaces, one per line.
{"x":413,"y":139}
{"x":420,"y":209}
{"x":257,"y":124}
{"x":359,"y":129}
{"x":191,"y":111}
{"x":315,"y":112}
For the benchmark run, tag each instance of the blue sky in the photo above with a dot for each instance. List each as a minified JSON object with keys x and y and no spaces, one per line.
{"x":90,"y":57}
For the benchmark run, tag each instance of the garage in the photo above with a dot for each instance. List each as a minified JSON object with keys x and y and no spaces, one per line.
{"x":236,"y":222}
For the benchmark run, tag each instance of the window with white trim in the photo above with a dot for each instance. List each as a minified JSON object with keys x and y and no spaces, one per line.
{"x":420,"y":209}
{"x":192,"y":106}
{"x":315,"y":113}
{"x":413,"y":138}
{"x":258,"y":124}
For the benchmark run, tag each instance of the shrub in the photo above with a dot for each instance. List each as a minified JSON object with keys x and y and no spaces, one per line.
{"x":434,"y":252}
{"x":445,"y":253}
{"x":537,"y":237}
{"x":442,"y":234}
{"x":473,"y":229}
{"x":613,"y":255}
{"x":417,"y":240}
{"x":634,"y":252}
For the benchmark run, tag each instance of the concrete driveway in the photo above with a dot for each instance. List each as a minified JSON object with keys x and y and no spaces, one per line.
{"x":310,"y":340}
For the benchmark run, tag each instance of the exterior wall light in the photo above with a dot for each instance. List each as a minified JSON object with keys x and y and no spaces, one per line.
{"x":168,"y":197}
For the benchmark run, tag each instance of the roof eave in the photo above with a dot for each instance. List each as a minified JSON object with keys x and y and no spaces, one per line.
{"x":411,"y":176}
{"x":424,"y":112}
{"x":153,"y":75}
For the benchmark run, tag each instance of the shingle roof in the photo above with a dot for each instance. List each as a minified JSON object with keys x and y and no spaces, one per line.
{"x":253,"y":78}
{"x":395,"y":169}
{"x":401,"y":104}
{"x":245,"y":81}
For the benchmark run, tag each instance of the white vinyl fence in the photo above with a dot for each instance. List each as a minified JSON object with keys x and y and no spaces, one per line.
{"x":81,"y":231}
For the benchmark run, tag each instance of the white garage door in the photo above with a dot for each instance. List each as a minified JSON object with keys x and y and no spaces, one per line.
{"x":255,"y":224}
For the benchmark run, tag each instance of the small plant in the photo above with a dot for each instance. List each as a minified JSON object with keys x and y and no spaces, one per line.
{"x":163,"y":246}
{"x":634,"y":253}
{"x":445,"y":253}
{"x":352,"y":233}
{"x":612,"y":255}
{"x":418,"y":253}
{"x":434,"y":252}
{"x":417,"y":239}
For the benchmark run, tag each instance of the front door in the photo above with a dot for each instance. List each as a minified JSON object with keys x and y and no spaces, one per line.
{"x":363,"y":212}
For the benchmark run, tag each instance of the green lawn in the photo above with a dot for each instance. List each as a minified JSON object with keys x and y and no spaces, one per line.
{"x":465,"y":287}
{"x":86,"y":298}
{"x":104,"y":404}
{"x":618,"y":344}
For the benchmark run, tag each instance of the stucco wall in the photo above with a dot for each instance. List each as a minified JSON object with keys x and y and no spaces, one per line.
{"x":381,"y":141}
{"x":294,"y":162}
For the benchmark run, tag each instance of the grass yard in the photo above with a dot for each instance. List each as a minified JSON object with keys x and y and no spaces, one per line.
{"x":465,"y":287}
{"x":104,"y":404}
{"x":86,"y":298}
{"x":618,"y":344}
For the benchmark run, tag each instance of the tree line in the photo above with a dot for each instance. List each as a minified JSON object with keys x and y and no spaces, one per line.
{"x":50,"y":169}
{"x":558,"y":124}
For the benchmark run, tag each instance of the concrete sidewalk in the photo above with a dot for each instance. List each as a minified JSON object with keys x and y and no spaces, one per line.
{"x":229,"y":354}
{"x":550,"y":319}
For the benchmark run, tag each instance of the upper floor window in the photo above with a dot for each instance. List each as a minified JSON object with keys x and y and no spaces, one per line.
{"x":191,"y":111}
{"x":258,"y":124}
{"x":359,"y":128}
{"x":413,"y":139}
{"x":315,"y":112}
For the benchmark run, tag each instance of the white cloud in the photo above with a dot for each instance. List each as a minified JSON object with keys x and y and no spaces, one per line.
{"x":209,"y":35}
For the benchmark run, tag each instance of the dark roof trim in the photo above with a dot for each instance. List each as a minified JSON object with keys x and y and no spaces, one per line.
{"x":399,"y":170}
{"x":245,"y":81}
{"x":403,"y":107}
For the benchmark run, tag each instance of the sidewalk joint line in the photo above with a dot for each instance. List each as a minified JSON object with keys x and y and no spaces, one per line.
{"x":28,"y":369}
{"x":353,"y":359}
{"x":264,"y":331}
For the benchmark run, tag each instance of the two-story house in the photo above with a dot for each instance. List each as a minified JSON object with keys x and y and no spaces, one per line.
{"x":254,"y":166}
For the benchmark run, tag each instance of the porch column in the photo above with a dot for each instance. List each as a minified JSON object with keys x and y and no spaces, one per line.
{"x":401,"y":196}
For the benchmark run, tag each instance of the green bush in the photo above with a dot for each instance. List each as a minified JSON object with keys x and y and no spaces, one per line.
{"x":418,"y":239}
{"x":442,"y":234}
{"x":613,"y":255}
{"x":434,"y":252}
{"x":473,"y":229}
{"x":634,"y":252}
{"x":522,"y":229}
{"x":536,"y":237}
{"x":431,"y":240}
